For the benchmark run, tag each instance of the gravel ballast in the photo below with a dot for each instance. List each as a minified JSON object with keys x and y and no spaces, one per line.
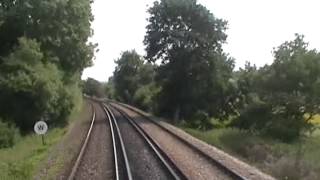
{"x":97,"y":162}
{"x":193,"y":165}
{"x":143,"y":162}
{"x":60,"y":161}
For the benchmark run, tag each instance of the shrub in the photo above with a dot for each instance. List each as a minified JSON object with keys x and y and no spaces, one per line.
{"x":254,"y":117}
{"x":144,"y":97}
{"x":274,"y":120}
{"x":8,"y":135}
{"x":200,"y":120}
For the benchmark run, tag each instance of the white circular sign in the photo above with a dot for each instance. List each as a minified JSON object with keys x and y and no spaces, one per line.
{"x":40,"y":127}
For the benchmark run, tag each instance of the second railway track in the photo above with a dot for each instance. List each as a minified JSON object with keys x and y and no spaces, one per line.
{"x":120,"y":145}
{"x":146,"y":159}
{"x":218,"y":170}
{"x":133,"y":154}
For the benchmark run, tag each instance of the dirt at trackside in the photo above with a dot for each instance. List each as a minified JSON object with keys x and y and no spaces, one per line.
{"x":61,"y":157}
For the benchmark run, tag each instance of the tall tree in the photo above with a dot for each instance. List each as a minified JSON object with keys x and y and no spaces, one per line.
{"x":194,"y":71}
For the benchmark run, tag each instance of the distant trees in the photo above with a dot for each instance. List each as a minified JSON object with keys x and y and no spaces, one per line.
{"x":43,"y":51}
{"x":194,"y":72}
{"x":282,"y":98}
{"x":93,"y":87}
{"x":126,"y":75}
{"x":109,"y":88}
{"x":133,"y":80}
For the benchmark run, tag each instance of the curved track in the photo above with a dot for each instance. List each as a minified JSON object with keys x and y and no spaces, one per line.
{"x":229,"y":172}
{"x":121,"y":163}
{"x":102,"y":154}
{"x":104,"y":123}
{"x":170,"y":168}
{"x":133,"y":153}
{"x":83,"y":148}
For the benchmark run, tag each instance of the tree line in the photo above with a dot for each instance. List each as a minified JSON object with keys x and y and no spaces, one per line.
{"x":186,"y":75}
{"x":44,"y":49}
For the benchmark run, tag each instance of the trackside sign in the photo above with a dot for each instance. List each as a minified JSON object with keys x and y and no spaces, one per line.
{"x":40,"y":127}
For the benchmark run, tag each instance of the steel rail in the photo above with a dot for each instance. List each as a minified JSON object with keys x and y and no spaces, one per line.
{"x":224,"y":168}
{"x":123,"y":149}
{"x":115,"y":156}
{"x":83,"y":148}
{"x":161,"y":155}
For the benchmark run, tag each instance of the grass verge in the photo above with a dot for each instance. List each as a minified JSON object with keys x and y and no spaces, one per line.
{"x":64,"y":153}
{"x":24,"y":159}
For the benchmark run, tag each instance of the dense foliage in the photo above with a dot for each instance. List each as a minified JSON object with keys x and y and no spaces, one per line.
{"x":43,"y":51}
{"x":133,"y":79}
{"x":109,"y":90}
{"x":284,"y":96}
{"x":194,"y":80}
{"x":30,"y":87}
{"x":62,"y":27}
{"x":93,"y":87}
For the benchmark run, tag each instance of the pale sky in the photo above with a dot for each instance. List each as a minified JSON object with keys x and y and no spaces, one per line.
{"x":254,"y":28}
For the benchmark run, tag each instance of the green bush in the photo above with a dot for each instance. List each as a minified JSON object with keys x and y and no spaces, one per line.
{"x":144,"y":97}
{"x":253,"y":118}
{"x":8,"y":135}
{"x":200,"y":120}
{"x":275,"y":121}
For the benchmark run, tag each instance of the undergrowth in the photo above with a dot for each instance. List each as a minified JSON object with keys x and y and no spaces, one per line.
{"x":23,"y":160}
{"x":276,"y":158}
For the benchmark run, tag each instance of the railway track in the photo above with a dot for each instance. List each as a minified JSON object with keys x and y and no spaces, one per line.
{"x":121,"y":165}
{"x":232,"y":174}
{"x":163,"y":160}
{"x":83,"y":148}
{"x":120,"y":160}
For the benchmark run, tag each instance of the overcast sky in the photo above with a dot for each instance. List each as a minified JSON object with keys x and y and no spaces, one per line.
{"x":254,"y":28}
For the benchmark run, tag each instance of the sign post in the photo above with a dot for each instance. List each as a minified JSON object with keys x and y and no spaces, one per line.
{"x":43,"y":142}
{"x":41,"y":128}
